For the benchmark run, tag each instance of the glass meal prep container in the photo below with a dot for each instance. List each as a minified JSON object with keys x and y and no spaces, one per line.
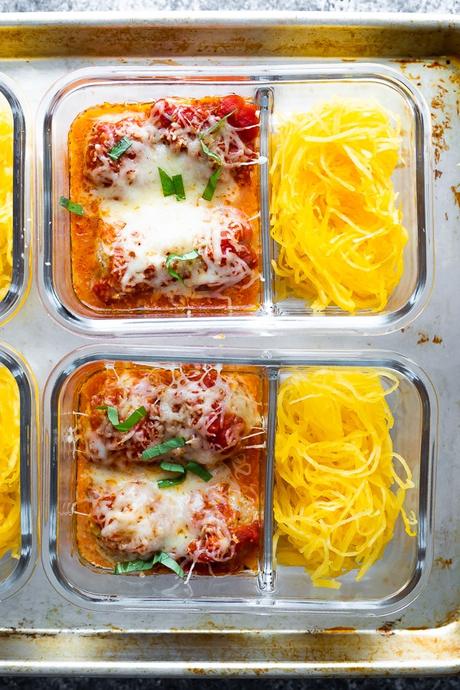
{"x":276,"y":91}
{"x":15,"y":569}
{"x":15,"y":201}
{"x":391,"y":584}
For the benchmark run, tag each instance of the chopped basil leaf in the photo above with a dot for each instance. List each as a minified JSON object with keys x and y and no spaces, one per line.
{"x":204,"y":147}
{"x":112,"y":414}
{"x":199,"y":470}
{"x":127,"y":425}
{"x":212,"y":184}
{"x":188,"y":256}
{"x":172,"y":185}
{"x":172,"y":467}
{"x":120,"y":148}
{"x":138,"y":566}
{"x":217,"y":125}
{"x":167,"y":183}
{"x":135,"y":566}
{"x":211,"y":154}
{"x":179,"y":190}
{"x":166,"y":560}
{"x":174,"y":481}
{"x":163,"y":448}
{"x":71,"y":206}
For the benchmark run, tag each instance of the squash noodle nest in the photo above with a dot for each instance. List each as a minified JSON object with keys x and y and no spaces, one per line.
{"x":6,"y":197}
{"x":10,"y":503}
{"x":334,"y":211}
{"x":338,"y":488}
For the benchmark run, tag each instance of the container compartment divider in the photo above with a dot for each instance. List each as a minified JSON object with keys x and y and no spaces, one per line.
{"x":268,"y":575}
{"x":264,"y":97}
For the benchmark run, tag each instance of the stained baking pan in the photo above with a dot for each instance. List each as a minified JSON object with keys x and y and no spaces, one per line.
{"x":41,"y":631}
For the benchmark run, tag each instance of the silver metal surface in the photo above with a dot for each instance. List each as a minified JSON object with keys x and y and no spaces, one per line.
{"x":41,"y":632}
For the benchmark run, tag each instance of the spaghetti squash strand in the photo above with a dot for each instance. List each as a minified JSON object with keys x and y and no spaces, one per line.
{"x":6,"y":196}
{"x":10,"y":504}
{"x":338,"y":490}
{"x":334,"y":211}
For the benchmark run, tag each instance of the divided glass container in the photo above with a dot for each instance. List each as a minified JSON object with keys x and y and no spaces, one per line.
{"x":16,"y":570}
{"x":19,"y":243}
{"x":277,"y":90}
{"x":391,"y":584}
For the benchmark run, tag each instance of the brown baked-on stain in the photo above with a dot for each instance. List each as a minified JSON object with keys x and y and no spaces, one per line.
{"x":455,"y":189}
{"x":85,"y":232}
{"x":437,"y":102}
{"x":443,"y":563}
{"x":423,"y":338}
{"x":438,"y":136}
{"x":451,"y":617}
{"x":437,"y":340}
{"x":386,"y":629}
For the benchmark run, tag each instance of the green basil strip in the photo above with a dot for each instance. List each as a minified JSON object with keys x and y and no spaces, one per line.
{"x":127,"y":425}
{"x":217,"y":125}
{"x":139,"y":565}
{"x":204,"y":147}
{"x":166,"y":560}
{"x":172,"y":185}
{"x":212,"y":184}
{"x":188,"y":256}
{"x":211,"y":154}
{"x":135,"y":566}
{"x":167,"y":183}
{"x":120,"y":148}
{"x":178,"y":184}
{"x":172,"y":467}
{"x":71,"y":206}
{"x":199,"y":470}
{"x":163,"y":448}
{"x":167,"y":483}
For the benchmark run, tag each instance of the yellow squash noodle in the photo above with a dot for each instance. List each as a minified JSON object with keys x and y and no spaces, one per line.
{"x":338,"y":484}
{"x":10,"y":503}
{"x":334,"y":210}
{"x":6,"y":197}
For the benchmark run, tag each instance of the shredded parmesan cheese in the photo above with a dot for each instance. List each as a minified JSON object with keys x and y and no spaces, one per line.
{"x":334,"y":211}
{"x":10,"y":503}
{"x":6,"y":197}
{"x":338,"y":491}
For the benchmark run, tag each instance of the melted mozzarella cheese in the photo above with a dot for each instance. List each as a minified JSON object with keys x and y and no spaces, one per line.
{"x":185,"y":408}
{"x":138,"y":519}
{"x":138,"y":181}
{"x":149,"y":226}
{"x":144,"y":519}
{"x":149,"y":233}
{"x":152,"y":231}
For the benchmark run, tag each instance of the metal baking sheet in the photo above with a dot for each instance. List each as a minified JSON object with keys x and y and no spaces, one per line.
{"x":41,"y":632}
